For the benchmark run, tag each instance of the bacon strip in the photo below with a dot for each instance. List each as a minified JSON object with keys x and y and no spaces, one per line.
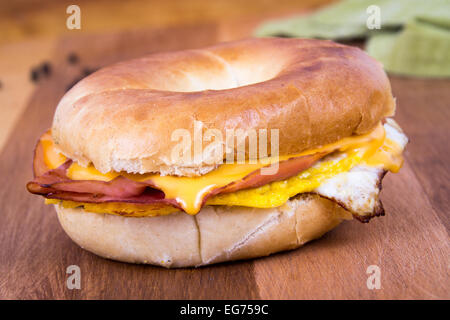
{"x":55,"y":184}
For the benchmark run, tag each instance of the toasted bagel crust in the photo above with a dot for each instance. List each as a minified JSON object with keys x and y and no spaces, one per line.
{"x":214,"y":235}
{"x":314,"y":92}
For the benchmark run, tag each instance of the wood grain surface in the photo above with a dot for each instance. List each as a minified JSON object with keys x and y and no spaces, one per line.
{"x":410,"y":244}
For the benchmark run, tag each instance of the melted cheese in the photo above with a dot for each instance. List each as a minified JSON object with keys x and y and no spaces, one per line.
{"x":388,"y":157}
{"x":189,"y":191}
{"x":372,"y":149}
{"x":53,"y":158}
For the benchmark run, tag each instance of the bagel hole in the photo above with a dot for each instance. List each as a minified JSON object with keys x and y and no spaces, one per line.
{"x":231,"y":78}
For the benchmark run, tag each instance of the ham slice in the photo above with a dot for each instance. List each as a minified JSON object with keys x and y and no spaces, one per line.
{"x":55,"y":184}
{"x":286,"y":169}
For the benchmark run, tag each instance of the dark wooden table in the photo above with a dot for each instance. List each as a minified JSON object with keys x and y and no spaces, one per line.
{"x":410,"y":244}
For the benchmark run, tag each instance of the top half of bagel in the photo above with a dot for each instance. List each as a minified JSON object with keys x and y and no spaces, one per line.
{"x":314,"y":92}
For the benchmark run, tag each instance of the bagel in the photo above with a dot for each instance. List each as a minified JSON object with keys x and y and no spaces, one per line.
{"x":107,"y":163}
{"x":216,"y":234}
{"x":315,"y":92}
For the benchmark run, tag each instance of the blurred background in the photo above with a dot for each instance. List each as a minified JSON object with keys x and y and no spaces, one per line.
{"x":25,"y":19}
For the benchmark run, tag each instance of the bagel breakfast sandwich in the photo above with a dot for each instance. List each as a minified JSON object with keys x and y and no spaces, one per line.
{"x":124,"y":189}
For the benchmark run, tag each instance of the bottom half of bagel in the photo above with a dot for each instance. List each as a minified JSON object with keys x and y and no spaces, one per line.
{"x":215,"y":234}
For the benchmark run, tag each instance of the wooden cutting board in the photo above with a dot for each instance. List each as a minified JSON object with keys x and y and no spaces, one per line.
{"x":410,"y":244}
